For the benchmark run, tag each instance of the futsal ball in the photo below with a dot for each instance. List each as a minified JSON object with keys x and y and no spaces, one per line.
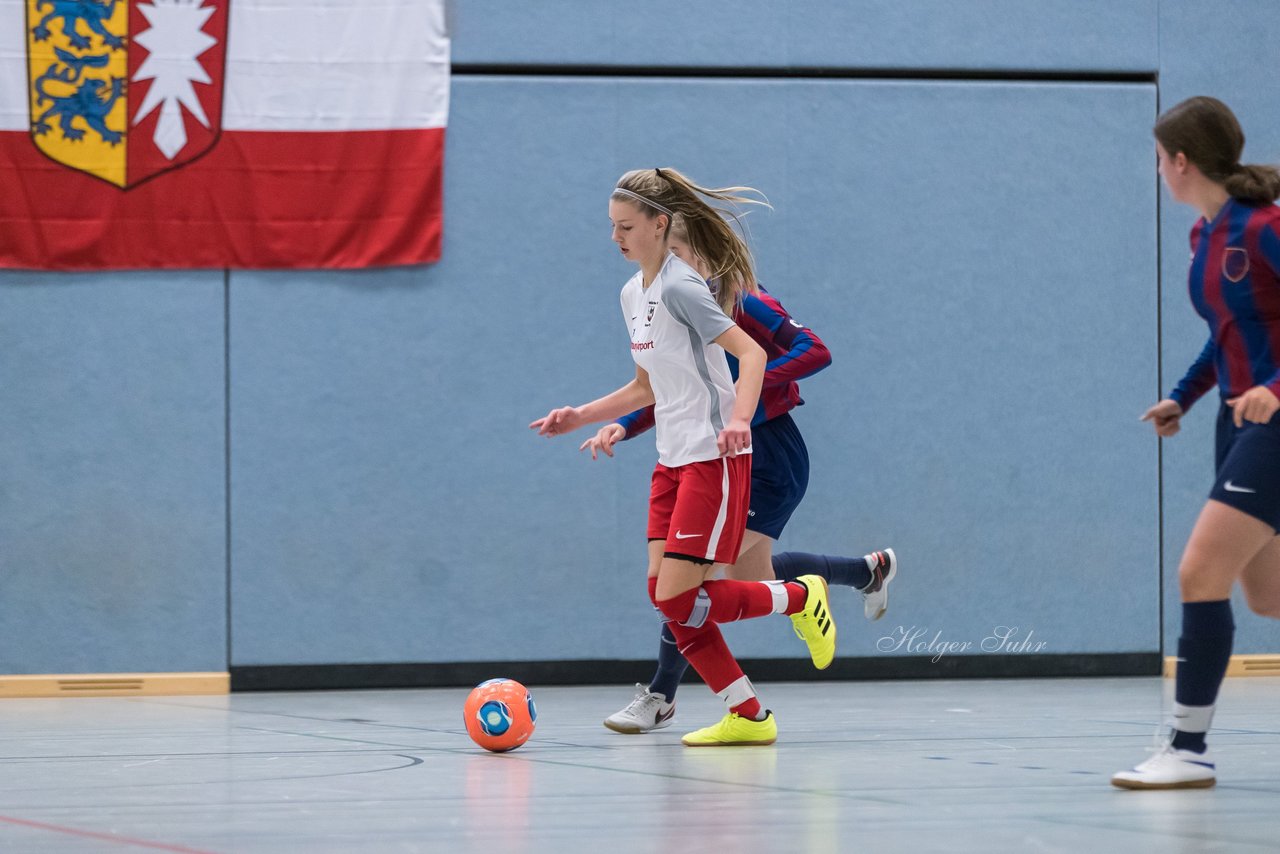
{"x":499,"y":715}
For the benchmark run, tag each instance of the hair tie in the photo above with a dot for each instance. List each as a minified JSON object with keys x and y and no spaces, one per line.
{"x":620,"y":191}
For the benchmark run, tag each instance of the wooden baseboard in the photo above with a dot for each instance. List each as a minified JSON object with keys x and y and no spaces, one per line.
{"x":114,"y":684}
{"x":1240,"y":665}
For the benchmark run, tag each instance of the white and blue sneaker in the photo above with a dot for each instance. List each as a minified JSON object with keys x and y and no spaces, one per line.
{"x":1169,"y":768}
{"x":875,"y":596}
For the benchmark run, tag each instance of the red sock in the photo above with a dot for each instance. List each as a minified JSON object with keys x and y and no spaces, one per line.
{"x":709,"y":654}
{"x":679,"y":608}
{"x":738,"y":600}
{"x":727,"y":601}
{"x":796,"y":594}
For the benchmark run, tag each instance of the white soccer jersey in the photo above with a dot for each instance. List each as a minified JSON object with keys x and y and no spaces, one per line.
{"x":673,"y":323}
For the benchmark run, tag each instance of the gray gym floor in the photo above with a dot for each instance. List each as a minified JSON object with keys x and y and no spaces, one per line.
{"x":984,"y":766}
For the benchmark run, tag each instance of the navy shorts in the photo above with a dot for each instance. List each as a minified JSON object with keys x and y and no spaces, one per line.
{"x":1248,"y":465}
{"x":779,"y":474}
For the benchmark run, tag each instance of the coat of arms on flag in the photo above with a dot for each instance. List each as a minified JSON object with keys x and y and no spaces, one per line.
{"x":220,"y":134}
{"x":123,"y":89}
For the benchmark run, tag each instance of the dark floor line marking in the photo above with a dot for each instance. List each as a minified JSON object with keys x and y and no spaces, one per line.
{"x":1089,"y":736}
{"x":542,"y":742}
{"x":960,"y":743}
{"x":689,"y":778}
{"x":533,"y":759}
{"x":413,"y":760}
{"x":226,"y":709}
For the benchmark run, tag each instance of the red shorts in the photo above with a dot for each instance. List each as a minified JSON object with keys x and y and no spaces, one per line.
{"x":700,"y":509}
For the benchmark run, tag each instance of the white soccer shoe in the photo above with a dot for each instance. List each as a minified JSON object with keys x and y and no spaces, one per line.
{"x":1169,"y":768}
{"x":647,"y":712}
{"x":875,"y":596}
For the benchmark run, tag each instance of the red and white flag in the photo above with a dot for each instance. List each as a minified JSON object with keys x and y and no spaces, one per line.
{"x":221,"y":133}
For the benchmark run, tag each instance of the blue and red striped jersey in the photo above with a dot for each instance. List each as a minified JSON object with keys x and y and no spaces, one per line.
{"x":792,"y":350}
{"x":1235,"y":286}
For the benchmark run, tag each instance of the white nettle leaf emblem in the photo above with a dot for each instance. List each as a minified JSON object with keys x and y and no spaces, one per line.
{"x":174,"y":41}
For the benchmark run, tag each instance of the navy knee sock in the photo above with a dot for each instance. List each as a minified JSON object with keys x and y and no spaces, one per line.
{"x":845,"y":571}
{"x":1204,"y":651}
{"x":671,"y":666}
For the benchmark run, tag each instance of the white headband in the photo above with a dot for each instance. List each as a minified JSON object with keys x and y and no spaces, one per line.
{"x":619,"y":191}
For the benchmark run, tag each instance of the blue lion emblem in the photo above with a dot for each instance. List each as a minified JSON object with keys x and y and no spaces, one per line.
{"x":93,"y":12}
{"x":87,"y":102}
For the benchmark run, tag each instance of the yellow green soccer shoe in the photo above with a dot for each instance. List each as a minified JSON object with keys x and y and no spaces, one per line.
{"x":733,"y":730}
{"x":815,"y":625}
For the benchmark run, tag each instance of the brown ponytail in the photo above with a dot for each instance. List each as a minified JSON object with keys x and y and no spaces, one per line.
{"x":1259,"y":184}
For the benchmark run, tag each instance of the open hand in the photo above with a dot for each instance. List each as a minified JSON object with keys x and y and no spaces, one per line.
{"x":604,"y":440}
{"x":557,"y":422}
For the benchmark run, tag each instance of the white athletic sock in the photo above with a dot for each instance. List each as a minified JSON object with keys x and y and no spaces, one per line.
{"x":1192,"y":718}
{"x":779,"y":591}
{"x":737,"y":692}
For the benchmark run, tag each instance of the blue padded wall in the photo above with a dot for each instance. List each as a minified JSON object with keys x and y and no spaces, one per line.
{"x":112,"y":473}
{"x":980,"y":257}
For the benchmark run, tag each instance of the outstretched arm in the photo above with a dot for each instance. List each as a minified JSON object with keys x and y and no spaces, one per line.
{"x":634,"y":395}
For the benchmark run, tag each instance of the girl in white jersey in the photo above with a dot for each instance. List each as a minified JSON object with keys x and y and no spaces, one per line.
{"x":779,"y":477}
{"x":700,"y":488}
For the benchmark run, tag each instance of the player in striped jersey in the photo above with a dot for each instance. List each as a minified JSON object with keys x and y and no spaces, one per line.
{"x":1235,"y":287}
{"x":779,"y":477}
{"x":699,"y":491}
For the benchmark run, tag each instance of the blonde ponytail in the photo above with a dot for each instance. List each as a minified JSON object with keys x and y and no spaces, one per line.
{"x":706,"y":228}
